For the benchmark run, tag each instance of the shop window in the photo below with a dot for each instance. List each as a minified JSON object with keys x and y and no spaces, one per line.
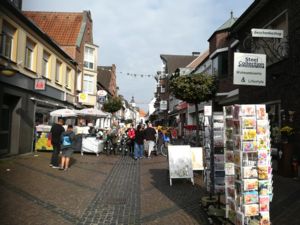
{"x":29,"y":54}
{"x":58,"y":71}
{"x":46,"y":65}
{"x":7,"y":40}
{"x":89,"y":57}
{"x":88,"y":84}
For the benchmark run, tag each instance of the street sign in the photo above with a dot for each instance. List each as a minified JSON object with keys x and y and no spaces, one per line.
{"x":163,"y":105}
{"x":249,"y":69}
{"x":267,"y":33}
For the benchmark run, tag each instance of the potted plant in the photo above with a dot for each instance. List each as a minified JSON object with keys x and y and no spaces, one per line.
{"x":287,"y":133}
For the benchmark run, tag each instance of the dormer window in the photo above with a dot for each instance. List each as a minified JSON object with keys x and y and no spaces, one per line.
{"x":89,"y":58}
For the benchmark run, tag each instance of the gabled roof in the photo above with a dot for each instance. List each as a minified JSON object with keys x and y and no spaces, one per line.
{"x":104,"y":76}
{"x":174,"y":62}
{"x":198,"y":60}
{"x":64,"y":27}
{"x":225,"y":26}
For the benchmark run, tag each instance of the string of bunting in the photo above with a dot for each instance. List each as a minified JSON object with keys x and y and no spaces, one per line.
{"x":136,"y":75}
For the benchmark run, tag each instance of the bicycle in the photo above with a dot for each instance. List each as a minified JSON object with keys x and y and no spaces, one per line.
{"x":164,"y":147}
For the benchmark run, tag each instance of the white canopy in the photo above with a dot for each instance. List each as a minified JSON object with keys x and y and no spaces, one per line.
{"x":91,"y":112}
{"x":63,"y":113}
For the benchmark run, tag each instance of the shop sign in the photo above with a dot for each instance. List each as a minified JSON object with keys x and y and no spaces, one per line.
{"x":101,"y":93}
{"x":39,"y":84}
{"x":249,"y":69}
{"x":83,"y":97}
{"x":267,"y":33}
{"x":182,"y":105}
{"x":207,"y":110}
{"x":163,"y":105}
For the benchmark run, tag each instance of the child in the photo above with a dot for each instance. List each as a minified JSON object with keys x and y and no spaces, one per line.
{"x":67,"y":139}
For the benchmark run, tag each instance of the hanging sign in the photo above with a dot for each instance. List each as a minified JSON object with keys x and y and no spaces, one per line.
{"x":207,"y":110}
{"x":101,"y":93}
{"x":249,"y":69}
{"x":82,"y":97}
{"x":267,"y":33}
{"x":163,"y":105}
{"x":39,"y":84}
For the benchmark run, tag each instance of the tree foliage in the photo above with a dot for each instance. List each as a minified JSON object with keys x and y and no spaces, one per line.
{"x":113,"y":104}
{"x":194,"y":88}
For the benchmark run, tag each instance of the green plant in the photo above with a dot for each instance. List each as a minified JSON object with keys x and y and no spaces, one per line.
{"x":287,"y":131}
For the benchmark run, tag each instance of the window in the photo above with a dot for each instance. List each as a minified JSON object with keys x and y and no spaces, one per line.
{"x":57,"y":71}
{"x":7,"y":39}
{"x":89,"y":57}
{"x":68,"y":77}
{"x":220,"y":64}
{"x":46,"y":64}
{"x":29,"y":54}
{"x":79,"y":80}
{"x":88,"y":84}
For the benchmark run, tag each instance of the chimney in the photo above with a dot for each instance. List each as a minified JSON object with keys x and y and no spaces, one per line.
{"x":195,"y":53}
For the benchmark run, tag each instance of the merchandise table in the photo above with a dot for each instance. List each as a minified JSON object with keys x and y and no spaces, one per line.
{"x":91,"y":144}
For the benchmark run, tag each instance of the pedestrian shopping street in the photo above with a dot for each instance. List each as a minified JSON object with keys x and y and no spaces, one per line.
{"x":113,"y":190}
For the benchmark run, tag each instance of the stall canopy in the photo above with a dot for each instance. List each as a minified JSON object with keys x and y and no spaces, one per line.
{"x":92,"y":112}
{"x":63,"y":113}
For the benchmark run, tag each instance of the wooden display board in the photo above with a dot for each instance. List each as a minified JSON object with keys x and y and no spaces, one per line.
{"x":197,"y":158}
{"x":180,"y":162}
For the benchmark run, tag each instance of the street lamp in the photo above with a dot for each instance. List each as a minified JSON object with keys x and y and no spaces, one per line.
{"x":7,"y":70}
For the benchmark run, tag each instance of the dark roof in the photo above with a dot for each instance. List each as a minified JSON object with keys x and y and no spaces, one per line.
{"x":249,"y":13}
{"x":104,"y":76}
{"x":174,"y":62}
{"x":63,"y":27}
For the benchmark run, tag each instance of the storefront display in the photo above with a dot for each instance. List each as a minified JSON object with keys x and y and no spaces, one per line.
{"x":43,"y":138}
{"x":248,"y":181}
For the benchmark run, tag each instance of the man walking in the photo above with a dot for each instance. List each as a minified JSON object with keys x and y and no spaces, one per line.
{"x":150,"y":137}
{"x":56,"y":131}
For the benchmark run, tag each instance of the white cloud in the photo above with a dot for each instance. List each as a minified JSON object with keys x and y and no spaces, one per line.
{"x":132,"y":34}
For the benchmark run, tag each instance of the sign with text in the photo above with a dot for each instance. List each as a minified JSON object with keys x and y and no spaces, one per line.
{"x":83,"y":97}
{"x":207,"y":110}
{"x":40,"y":84}
{"x":267,"y":33}
{"x":163,"y":105}
{"x":249,"y":69}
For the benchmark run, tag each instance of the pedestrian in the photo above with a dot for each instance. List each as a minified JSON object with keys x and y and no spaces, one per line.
{"x":131,"y":136}
{"x":67,"y":143}
{"x":56,"y":130}
{"x":150,"y":138}
{"x":139,"y":143}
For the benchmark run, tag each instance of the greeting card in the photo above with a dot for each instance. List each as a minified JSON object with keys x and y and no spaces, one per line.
{"x":229,"y":110}
{"x":263,"y":142}
{"x":219,"y":158}
{"x":229,"y":168}
{"x":251,"y":210}
{"x":249,"y":122}
{"x":264,"y":203}
{"x":249,"y":172}
{"x":249,"y":134}
{"x":262,"y":158}
{"x":248,"y":110}
{"x":229,"y":145}
{"x":261,"y":112}
{"x":263,"y":187}
{"x":250,"y":197}
{"x":230,"y":191}
{"x":265,"y":218}
{"x":250,"y":184}
{"x":237,"y":157}
{"x":236,"y":111}
{"x":263,"y":127}
{"x":263,"y":172}
{"x":229,"y":156}
{"x":249,"y":146}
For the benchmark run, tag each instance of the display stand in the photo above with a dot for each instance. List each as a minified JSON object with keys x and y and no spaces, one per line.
{"x":248,"y":181}
{"x":180,"y":162}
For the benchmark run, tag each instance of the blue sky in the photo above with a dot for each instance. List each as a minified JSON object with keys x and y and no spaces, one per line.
{"x":133,"y":33}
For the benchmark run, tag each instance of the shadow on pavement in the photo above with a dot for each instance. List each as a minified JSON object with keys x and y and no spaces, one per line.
{"x":183,"y":193}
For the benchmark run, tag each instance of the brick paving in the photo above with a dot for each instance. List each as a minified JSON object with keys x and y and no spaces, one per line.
{"x":113,"y":190}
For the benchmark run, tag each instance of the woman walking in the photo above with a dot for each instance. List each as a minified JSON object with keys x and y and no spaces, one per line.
{"x":68,"y":139}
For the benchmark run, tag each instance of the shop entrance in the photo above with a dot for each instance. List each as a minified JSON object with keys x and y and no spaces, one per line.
{"x":5,"y":130}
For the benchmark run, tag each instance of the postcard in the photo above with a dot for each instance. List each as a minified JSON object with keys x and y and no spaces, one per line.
{"x":263,"y":187}
{"x":229,"y":156}
{"x":249,"y":134}
{"x":261,"y":112}
{"x":263,"y":172}
{"x":249,"y":172}
{"x":265,"y":218}
{"x":229,"y":180}
{"x":249,"y":122}
{"x":264,"y":203}
{"x":262,"y":158}
{"x":250,"y":197}
{"x":249,"y":146}
{"x":251,"y":210}
{"x":250,"y":184}
{"x":229,"y":169}
{"x":239,"y":218}
{"x":248,"y":110}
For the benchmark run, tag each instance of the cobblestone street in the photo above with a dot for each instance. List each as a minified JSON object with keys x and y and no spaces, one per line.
{"x":96,"y":190}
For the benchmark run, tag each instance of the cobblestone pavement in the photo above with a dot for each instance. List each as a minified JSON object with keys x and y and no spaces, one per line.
{"x":95,"y":190}
{"x":113,"y":190}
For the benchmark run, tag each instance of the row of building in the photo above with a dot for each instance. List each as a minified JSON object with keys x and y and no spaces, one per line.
{"x":281,"y":92}
{"x":48,"y":60}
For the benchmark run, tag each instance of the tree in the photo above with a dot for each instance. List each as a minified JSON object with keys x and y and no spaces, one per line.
{"x":113,"y":104}
{"x":194,"y":89}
